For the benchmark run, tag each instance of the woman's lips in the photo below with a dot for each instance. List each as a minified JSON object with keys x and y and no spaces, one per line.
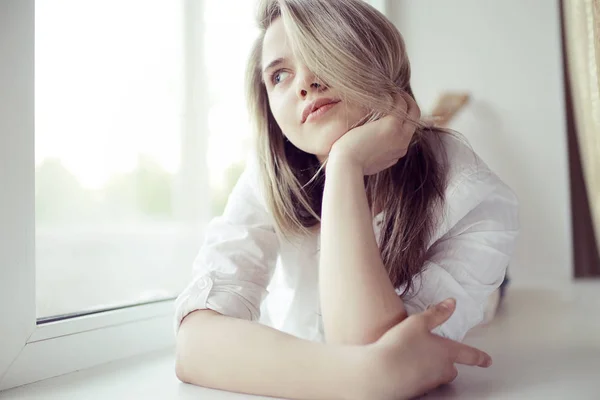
{"x":320,"y":111}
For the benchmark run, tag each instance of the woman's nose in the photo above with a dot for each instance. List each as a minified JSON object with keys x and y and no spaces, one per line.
{"x":307,"y":83}
{"x":317,"y":86}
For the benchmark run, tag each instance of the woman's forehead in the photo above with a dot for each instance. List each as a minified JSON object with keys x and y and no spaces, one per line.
{"x":275,"y":44}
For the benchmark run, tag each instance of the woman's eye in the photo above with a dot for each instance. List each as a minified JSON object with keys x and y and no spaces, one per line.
{"x":277,"y":77}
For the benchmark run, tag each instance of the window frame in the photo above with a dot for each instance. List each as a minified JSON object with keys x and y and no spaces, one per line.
{"x":32,"y":351}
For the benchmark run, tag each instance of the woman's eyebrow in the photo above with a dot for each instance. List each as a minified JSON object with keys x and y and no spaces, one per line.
{"x":274,"y":63}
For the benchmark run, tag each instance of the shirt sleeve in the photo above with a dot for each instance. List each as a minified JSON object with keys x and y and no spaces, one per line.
{"x":469,"y":262}
{"x":237,"y":259}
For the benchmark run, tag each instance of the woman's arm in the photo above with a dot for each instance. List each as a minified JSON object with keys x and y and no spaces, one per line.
{"x":358,"y":300}
{"x":237,"y":355}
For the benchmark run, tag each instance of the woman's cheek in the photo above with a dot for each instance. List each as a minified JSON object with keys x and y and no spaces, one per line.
{"x":281,"y":121}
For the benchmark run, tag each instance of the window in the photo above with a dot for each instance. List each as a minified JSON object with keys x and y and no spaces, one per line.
{"x":113,"y":226}
{"x":108,"y":155}
{"x":135,"y":149}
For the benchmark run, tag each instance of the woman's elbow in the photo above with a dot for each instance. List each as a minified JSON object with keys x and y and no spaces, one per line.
{"x":181,"y":358}
{"x":187,"y":350}
{"x":180,"y":370}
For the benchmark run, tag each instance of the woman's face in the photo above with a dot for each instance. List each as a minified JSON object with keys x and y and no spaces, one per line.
{"x":291,"y":88}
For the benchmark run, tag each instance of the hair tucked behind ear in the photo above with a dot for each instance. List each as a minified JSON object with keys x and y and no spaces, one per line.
{"x":353,"y":48}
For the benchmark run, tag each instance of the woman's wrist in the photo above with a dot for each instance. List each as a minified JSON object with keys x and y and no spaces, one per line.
{"x":346,"y":368}
{"x":344,"y":162}
{"x":362,"y":362}
{"x":369,"y":367}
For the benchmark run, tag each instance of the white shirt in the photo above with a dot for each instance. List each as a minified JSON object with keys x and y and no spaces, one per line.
{"x":467,"y":258}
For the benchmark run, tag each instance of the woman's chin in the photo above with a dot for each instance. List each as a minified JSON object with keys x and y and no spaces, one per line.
{"x":325,"y":141}
{"x":322,"y":151}
{"x":319,"y":141}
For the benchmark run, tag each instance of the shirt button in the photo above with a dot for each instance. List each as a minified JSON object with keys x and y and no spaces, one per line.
{"x":203,"y":283}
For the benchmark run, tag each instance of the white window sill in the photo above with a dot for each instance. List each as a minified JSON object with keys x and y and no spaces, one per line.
{"x":544,"y":343}
{"x":148,"y":377}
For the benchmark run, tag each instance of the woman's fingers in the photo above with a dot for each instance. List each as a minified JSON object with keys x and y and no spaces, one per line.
{"x":459,"y":353}
{"x":448,"y":375}
{"x":407,"y":106}
{"x":467,"y":355}
{"x":414,"y":113}
{"x":451,"y":375}
{"x":438,"y":314}
{"x":401,"y":102}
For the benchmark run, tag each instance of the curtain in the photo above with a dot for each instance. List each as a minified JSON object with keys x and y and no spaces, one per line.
{"x":582,"y":35}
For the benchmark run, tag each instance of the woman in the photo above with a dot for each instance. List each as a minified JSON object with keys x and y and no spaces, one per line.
{"x":376,"y":218}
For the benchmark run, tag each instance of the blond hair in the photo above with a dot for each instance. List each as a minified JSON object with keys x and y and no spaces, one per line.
{"x":352,"y":47}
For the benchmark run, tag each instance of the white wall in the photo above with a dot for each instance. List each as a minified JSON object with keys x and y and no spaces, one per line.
{"x":507,"y":54}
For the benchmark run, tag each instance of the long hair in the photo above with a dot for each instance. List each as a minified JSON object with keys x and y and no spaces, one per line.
{"x":352,"y":47}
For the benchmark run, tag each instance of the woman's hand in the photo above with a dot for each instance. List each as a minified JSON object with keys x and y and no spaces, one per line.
{"x":409,"y":360}
{"x":377,"y":145}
